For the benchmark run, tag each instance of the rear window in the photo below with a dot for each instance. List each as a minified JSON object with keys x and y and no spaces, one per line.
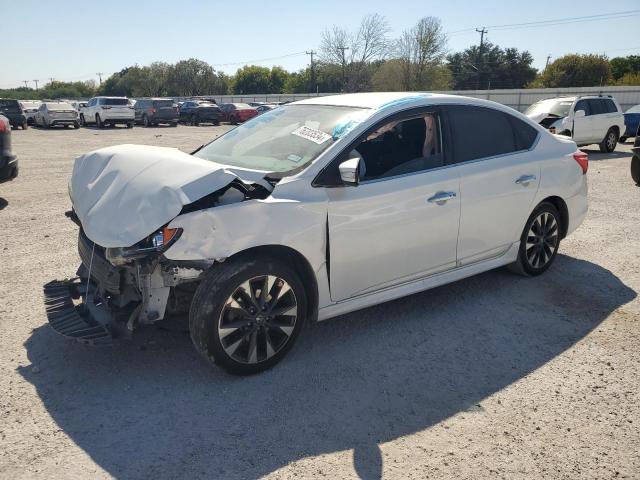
{"x":163,"y":103}
{"x":114,"y":101}
{"x":9,"y":104}
{"x":242,"y":105}
{"x":611,"y":106}
{"x":59,"y":106}
{"x":597,"y":106}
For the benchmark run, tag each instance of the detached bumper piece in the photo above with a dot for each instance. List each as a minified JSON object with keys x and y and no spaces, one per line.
{"x":70,"y":320}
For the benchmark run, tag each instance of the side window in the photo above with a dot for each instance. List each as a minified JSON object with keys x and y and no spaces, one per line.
{"x":611,"y":106}
{"x":480,"y":132}
{"x":597,"y":106}
{"x":524,"y":134}
{"x":401,"y":146}
{"x":583,"y":105}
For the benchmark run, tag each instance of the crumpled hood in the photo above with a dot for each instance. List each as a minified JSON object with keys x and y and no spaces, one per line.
{"x":124,"y":193}
{"x":537,"y":117}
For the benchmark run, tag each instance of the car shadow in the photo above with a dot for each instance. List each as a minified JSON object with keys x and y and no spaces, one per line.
{"x":595,"y":154}
{"x":151,"y":408}
{"x":3,"y":203}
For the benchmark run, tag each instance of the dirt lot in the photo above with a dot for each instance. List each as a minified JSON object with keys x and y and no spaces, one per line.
{"x":495,"y":376}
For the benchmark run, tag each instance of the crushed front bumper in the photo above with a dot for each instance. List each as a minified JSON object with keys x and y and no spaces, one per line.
{"x":74,"y":320}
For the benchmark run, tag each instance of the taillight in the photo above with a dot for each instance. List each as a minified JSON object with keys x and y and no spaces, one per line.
{"x":583,"y":160}
{"x":152,"y":110}
{"x":5,"y":126}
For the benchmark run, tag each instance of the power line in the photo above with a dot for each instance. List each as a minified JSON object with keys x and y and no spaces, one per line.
{"x":556,"y":21}
{"x":258,"y":60}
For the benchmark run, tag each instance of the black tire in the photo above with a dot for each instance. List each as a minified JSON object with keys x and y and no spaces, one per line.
{"x":623,"y":139}
{"x":99,"y":123}
{"x":25,"y":125}
{"x":174,"y":124}
{"x":528,"y":263}
{"x":82,"y":121}
{"x":217,"y":123}
{"x":257,"y":334}
{"x":129,"y":124}
{"x":194,"y":121}
{"x":635,"y":169}
{"x":609,"y":142}
{"x":76,"y":125}
{"x":145,"y":121}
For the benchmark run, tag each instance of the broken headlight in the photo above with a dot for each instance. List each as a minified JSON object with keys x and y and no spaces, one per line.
{"x":155,"y":243}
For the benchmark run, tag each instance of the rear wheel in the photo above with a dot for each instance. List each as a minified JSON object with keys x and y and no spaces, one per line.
{"x":25,"y":125}
{"x":610,"y":141}
{"x":539,"y":241}
{"x":145,"y":121}
{"x":129,"y":124}
{"x":99,"y":123}
{"x":247,"y":313}
{"x":76,"y":125}
{"x":82,"y":122}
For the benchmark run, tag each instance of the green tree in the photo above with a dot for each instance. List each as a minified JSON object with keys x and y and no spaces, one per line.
{"x":390,"y":76}
{"x":252,"y":79}
{"x":629,"y":79}
{"x":277,"y":79}
{"x":491,"y":67}
{"x":620,"y":66}
{"x":577,"y":71}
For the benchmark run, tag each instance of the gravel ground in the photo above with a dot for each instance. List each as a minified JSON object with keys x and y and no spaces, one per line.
{"x":496,"y":376}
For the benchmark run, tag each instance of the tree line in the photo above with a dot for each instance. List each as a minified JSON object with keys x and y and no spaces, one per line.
{"x":363,"y":59}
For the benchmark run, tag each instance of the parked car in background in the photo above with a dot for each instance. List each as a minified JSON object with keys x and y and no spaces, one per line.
{"x":30,"y":108}
{"x":8,"y":161}
{"x":313,"y":210}
{"x":77,"y":105}
{"x":13,"y":111}
{"x":635,"y":161}
{"x":237,"y":112}
{"x":195,"y":112}
{"x":631,"y":123}
{"x":265,"y":108}
{"x":54,"y":114}
{"x":586,"y":119}
{"x":102,"y":111}
{"x":152,"y":111}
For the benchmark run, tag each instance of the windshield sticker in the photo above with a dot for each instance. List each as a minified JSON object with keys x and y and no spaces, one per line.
{"x":294,"y":158}
{"x":311,"y":134}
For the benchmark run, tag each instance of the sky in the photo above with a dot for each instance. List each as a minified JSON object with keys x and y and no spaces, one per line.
{"x":73,"y":40}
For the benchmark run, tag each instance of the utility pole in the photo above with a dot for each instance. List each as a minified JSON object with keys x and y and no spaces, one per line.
{"x":482,"y":33}
{"x":36,"y":82}
{"x":547,"y":64}
{"x":99,"y":74}
{"x":313,"y":70}
{"x":26,"y":83}
{"x":342,"y":49}
{"x":51,"y":79}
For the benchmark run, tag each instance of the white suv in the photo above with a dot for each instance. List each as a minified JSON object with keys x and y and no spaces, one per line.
{"x":103,"y":111}
{"x":586,"y":119}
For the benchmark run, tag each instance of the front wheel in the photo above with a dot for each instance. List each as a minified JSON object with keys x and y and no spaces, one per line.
{"x":247,"y":313}
{"x":82,"y":122}
{"x":635,"y":168}
{"x":539,"y":241}
{"x":99,"y":123}
{"x":25,"y":125}
{"x":129,"y":124}
{"x":610,"y":141}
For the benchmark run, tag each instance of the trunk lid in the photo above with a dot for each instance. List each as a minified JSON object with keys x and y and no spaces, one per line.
{"x":124,"y":193}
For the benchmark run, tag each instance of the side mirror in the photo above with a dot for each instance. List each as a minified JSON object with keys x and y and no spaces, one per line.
{"x":579,"y":113}
{"x":350,"y":171}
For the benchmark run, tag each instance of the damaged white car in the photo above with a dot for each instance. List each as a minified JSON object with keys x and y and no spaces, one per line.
{"x":311,"y":210}
{"x":585,"y":119}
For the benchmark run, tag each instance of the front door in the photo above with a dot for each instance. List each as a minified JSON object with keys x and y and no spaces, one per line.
{"x":401,"y":222}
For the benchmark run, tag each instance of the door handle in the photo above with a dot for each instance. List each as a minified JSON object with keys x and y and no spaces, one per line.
{"x":441,"y":198}
{"x":525,"y":180}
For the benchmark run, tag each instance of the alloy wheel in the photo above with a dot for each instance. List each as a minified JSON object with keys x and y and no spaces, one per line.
{"x":258,"y":319}
{"x":611,"y":141}
{"x":542,"y":240}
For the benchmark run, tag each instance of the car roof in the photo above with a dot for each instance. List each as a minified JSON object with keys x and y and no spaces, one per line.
{"x":379,"y":100}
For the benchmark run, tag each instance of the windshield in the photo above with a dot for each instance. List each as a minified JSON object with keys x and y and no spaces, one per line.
{"x":553,"y":107}
{"x":59,"y":106}
{"x":281,"y":140}
{"x":163,"y":103}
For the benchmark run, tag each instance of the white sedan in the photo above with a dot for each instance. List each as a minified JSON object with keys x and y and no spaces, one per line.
{"x":309,"y":211}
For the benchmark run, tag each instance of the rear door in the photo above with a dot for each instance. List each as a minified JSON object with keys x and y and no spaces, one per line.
{"x":600,"y":118}
{"x":499,"y":177}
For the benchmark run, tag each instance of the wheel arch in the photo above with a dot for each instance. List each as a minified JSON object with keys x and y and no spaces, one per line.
{"x":562,"y":208}
{"x":295,"y":259}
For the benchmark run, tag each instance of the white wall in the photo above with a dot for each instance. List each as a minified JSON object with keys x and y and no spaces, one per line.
{"x":519,"y":99}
